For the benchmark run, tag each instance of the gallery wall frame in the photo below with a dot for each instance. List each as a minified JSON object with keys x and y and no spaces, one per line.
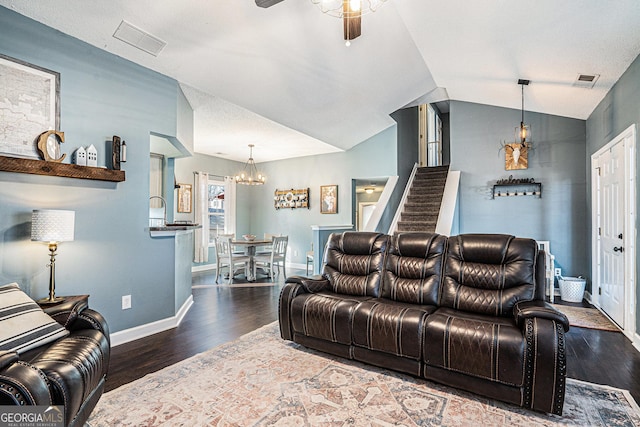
{"x":329,"y":199}
{"x":26,"y":90}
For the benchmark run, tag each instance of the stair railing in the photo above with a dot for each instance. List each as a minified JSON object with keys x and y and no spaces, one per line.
{"x":394,"y":224}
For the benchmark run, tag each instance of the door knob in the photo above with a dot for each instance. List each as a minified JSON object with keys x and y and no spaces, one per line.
{"x":620,"y":249}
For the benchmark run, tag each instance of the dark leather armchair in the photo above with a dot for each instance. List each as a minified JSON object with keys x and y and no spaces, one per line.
{"x":467,"y":311}
{"x":70,"y":371}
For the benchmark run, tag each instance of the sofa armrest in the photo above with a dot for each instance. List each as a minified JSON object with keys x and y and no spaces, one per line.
{"x":546,"y":365}
{"x":22,"y":384}
{"x":7,"y":358}
{"x":529,"y":309}
{"x":311,"y":284}
{"x":66,"y":312}
{"x":294,"y":286}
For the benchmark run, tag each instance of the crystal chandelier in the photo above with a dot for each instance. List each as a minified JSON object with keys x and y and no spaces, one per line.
{"x":350,"y":11}
{"x":250,"y":174}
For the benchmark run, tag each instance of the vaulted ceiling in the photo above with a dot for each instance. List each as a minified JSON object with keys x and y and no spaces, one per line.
{"x":283,"y":79}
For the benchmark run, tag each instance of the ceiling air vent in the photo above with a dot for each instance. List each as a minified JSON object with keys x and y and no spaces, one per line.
{"x":139,"y":38}
{"x":586,"y":81}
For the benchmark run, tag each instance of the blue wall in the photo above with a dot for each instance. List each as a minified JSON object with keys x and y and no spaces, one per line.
{"x":619,"y":109}
{"x":101,"y":95}
{"x":375,"y":157}
{"x":558,"y":161}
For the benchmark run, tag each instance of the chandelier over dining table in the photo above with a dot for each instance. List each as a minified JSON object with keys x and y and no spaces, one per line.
{"x":250,"y":175}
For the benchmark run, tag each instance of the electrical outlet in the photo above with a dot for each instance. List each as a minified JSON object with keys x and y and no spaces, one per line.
{"x":295,"y":253}
{"x":558,"y":272}
{"x":126,"y":302}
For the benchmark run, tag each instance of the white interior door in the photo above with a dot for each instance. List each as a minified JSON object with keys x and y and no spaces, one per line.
{"x":612,"y":232}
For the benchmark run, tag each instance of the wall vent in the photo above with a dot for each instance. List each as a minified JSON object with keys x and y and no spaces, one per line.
{"x":136,"y":37}
{"x":586,"y":81}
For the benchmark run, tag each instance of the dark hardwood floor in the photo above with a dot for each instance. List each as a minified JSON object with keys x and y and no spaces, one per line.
{"x":221,"y":314}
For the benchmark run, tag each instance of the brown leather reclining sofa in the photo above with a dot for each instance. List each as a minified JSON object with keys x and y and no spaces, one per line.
{"x":467,"y":311}
{"x":70,"y":371}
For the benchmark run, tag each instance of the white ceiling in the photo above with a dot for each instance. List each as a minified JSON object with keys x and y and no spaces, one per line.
{"x":282,"y":78}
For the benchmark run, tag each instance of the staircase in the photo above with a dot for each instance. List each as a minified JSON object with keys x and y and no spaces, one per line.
{"x":420,"y":211}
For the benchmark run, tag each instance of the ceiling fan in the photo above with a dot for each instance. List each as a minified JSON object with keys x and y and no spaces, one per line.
{"x":349,"y":11}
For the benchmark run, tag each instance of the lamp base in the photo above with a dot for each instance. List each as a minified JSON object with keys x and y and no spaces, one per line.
{"x":47,"y":301}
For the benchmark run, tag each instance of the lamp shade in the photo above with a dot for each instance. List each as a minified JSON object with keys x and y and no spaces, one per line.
{"x":52,"y":225}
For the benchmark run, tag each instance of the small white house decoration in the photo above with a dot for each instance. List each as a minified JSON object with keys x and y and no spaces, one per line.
{"x":81,"y":156}
{"x":92,"y":156}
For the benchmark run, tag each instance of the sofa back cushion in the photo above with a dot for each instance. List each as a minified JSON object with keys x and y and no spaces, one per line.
{"x":414,"y":267}
{"x":488,"y":274}
{"x":354,"y":262}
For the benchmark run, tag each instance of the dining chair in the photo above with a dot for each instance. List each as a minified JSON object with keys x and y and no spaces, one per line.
{"x":266,"y":249}
{"x":226,"y":258}
{"x":276,"y":257}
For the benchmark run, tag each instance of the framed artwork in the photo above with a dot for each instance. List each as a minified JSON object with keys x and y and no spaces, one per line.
{"x":30,"y":96}
{"x":516,"y":156}
{"x":328,"y":199}
{"x":184,"y":198}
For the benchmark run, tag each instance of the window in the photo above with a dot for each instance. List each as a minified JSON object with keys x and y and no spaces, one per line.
{"x":216,"y":209}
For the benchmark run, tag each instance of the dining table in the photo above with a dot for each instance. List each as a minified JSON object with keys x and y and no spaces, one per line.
{"x":250,"y":250}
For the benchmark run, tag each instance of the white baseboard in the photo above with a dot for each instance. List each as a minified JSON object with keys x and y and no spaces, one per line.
{"x":145,"y":330}
{"x":636,"y":342}
{"x":205,"y":267}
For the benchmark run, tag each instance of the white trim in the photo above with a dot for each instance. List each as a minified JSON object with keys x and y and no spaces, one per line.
{"x":396,"y":218}
{"x":448,"y":205}
{"x":204,"y":267}
{"x":629,"y":240}
{"x":131,"y":334}
{"x":331,"y":227}
{"x":382,"y":203}
{"x":636,"y":341}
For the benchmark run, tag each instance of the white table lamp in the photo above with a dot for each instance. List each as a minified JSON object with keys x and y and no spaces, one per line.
{"x":52,"y":226}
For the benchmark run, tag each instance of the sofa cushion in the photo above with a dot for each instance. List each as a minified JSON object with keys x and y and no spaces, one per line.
{"x":354,"y":262}
{"x":324,"y":315}
{"x":23,"y":324}
{"x":488,"y":347}
{"x":413,"y":268}
{"x":390,"y":327}
{"x":489,"y":274}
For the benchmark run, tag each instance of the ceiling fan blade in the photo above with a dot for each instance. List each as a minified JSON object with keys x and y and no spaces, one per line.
{"x":352,"y":21}
{"x":267,"y":3}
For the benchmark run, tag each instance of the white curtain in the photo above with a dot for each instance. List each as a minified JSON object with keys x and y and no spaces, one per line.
{"x":201,"y":202}
{"x":229,"y":205}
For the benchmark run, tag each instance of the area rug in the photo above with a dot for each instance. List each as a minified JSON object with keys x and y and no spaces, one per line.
{"x":584,"y":317}
{"x":261,"y":380}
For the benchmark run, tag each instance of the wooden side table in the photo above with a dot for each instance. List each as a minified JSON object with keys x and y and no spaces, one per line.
{"x":68,"y":300}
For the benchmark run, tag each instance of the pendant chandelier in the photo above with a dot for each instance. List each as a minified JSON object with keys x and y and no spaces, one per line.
{"x":350,"y":11}
{"x":523,"y":132}
{"x":250,"y":174}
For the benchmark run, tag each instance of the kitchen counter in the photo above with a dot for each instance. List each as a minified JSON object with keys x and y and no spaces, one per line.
{"x":169,"y":230}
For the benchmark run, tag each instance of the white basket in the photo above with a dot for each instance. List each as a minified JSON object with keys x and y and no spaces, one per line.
{"x":572,"y":288}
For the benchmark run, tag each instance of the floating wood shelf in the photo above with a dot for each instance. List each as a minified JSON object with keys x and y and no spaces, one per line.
{"x":40,"y":167}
